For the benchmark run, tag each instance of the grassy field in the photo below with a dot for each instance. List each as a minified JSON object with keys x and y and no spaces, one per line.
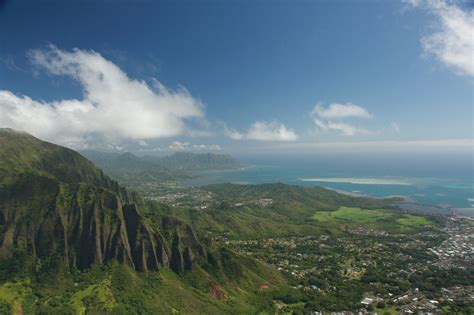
{"x":352,"y":215}
{"x":378,"y":219}
{"x":413,"y":221}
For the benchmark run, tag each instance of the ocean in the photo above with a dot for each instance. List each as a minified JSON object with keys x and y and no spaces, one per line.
{"x":442,"y":180}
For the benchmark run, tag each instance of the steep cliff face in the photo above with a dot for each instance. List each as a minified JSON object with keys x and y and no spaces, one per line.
{"x":185,"y":248}
{"x":55,"y":202}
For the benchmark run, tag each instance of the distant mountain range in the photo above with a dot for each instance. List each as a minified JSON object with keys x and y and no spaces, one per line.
{"x":188,"y":161}
{"x":129,"y":167}
{"x":179,"y":161}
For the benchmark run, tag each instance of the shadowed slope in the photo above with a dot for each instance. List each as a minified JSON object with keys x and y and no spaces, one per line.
{"x":53,"y":201}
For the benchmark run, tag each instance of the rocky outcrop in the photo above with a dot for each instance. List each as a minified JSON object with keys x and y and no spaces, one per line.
{"x":185,"y":248}
{"x":83,"y":223}
{"x":89,"y":225}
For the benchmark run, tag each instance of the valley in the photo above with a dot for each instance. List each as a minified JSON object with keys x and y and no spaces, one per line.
{"x":364,"y":256}
{"x":81,"y":244}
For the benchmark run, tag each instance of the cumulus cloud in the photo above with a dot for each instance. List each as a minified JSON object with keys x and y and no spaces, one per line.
{"x":453,"y":41}
{"x":114,"y":106}
{"x":329,"y":119}
{"x":232,"y":133}
{"x":338,"y":111}
{"x":272,"y":131}
{"x":263,"y":131}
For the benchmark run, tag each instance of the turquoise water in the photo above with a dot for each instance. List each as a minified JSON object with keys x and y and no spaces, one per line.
{"x":445,"y":181}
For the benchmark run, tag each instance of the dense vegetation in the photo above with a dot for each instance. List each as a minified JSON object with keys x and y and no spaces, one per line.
{"x":248,"y":211}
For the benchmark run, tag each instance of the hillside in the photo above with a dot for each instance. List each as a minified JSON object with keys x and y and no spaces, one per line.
{"x":269,"y":210}
{"x":62,"y":221}
{"x":78,"y":212}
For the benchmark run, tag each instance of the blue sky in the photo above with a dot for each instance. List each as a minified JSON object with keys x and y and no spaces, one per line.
{"x":233,"y":75}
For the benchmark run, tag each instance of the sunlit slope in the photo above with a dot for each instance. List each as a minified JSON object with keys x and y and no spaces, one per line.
{"x":271,"y":210}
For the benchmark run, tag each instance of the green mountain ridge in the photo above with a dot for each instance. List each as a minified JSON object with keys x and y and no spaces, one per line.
{"x":59,"y":213}
{"x":22,"y":153}
{"x":79,"y":212}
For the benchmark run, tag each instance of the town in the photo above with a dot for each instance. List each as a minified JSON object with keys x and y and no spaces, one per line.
{"x":393,"y":273}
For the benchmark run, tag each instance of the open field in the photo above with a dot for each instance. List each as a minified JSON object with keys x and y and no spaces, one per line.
{"x":378,"y":218}
{"x":413,"y":221}
{"x":352,"y":214}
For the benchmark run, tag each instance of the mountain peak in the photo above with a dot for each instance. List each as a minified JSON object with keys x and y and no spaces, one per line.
{"x":21,"y":153}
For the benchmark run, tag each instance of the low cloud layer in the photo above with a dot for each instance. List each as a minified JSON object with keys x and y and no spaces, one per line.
{"x":264,"y":131}
{"x":177,"y":146}
{"x":114,"y":107}
{"x":409,"y":146}
{"x":453,"y":39}
{"x":330,"y":118}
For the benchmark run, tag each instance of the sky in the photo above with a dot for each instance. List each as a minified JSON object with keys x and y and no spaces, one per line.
{"x":240,"y":76}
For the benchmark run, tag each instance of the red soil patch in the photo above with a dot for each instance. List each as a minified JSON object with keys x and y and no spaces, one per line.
{"x":217,"y":292}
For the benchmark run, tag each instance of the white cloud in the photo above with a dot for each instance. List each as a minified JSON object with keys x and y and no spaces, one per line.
{"x":413,"y":2}
{"x":339,"y":111}
{"x":395,"y":127}
{"x":114,"y":106}
{"x":263,"y":131}
{"x":232,"y":133}
{"x":453,"y":41}
{"x":177,"y":146}
{"x":329,"y":119}
{"x":270,"y":131}
{"x":113,"y":147}
{"x":207,"y":147}
{"x":343,"y":128}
